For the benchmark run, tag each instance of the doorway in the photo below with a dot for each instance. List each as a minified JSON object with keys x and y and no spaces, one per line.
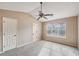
{"x":9,"y":33}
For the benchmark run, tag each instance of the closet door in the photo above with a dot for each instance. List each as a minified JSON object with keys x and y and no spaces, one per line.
{"x":9,"y":33}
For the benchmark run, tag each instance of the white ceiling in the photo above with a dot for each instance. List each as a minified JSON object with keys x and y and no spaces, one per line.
{"x":59,"y":9}
{"x":19,"y":6}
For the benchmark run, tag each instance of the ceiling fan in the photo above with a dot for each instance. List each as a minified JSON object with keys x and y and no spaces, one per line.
{"x":41,"y":14}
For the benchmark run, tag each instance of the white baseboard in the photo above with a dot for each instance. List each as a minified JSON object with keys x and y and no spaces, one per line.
{"x":20,"y":45}
{"x":24,"y":44}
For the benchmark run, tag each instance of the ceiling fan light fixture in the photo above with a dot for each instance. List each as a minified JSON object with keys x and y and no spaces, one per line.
{"x":41,"y":14}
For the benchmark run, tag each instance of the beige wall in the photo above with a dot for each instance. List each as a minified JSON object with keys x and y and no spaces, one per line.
{"x":25,"y":26}
{"x":71,"y":31}
{"x":78,"y":32}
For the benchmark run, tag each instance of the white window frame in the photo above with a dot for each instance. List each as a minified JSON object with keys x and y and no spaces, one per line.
{"x":58,"y":36}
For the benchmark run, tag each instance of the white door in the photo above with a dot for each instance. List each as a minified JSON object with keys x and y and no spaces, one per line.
{"x":9,"y":33}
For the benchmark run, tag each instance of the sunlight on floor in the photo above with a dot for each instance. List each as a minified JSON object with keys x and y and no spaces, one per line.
{"x":54,"y":49}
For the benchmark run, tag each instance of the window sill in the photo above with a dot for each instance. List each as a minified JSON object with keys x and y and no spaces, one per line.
{"x":57,"y":36}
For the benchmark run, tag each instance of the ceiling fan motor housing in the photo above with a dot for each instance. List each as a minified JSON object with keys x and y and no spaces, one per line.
{"x":41,"y":14}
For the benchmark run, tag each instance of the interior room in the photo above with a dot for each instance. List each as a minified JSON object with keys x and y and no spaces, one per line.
{"x":39,"y":28}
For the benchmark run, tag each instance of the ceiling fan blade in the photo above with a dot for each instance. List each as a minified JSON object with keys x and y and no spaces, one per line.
{"x":48,"y":15}
{"x":38,"y":18}
{"x":45,"y":17}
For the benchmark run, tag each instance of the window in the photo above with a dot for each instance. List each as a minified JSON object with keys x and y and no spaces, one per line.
{"x":56,"y":29}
